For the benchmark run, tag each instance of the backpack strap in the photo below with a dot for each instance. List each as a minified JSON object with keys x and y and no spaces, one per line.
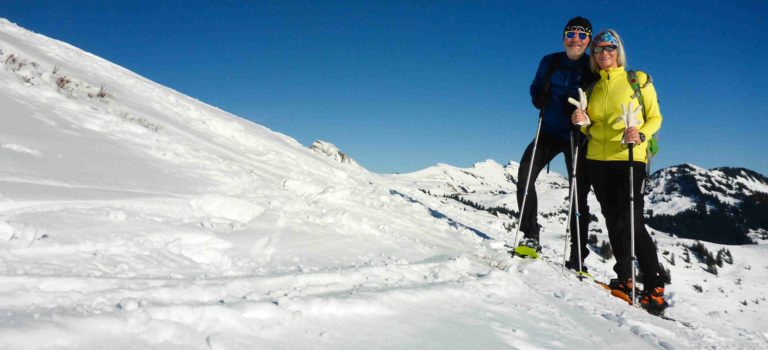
{"x":653,"y":143}
{"x":635,"y":84}
{"x":551,"y":70}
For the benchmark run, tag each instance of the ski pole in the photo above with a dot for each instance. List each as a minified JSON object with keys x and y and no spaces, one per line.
{"x":573,"y":198}
{"x":570,"y":207}
{"x":528,"y":179}
{"x":631,"y":121}
{"x":632,"y":217}
{"x":581,"y":104}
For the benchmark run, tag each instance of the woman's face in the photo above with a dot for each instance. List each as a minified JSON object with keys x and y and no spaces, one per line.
{"x":604,"y":58}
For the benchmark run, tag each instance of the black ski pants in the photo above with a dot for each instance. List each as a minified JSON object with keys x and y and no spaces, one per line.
{"x":610,"y":180}
{"x":548,"y":148}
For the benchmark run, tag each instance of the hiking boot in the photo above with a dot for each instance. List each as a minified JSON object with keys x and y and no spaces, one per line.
{"x":624,"y":286}
{"x":574,"y":265}
{"x":530,"y":243}
{"x":528,"y":248}
{"x":653,"y":301}
{"x":623,"y":289}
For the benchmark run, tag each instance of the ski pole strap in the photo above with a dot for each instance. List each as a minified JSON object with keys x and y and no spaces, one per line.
{"x":584,"y":139}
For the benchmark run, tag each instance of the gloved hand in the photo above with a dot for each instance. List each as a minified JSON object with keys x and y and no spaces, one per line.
{"x":631,"y":134}
{"x":579,"y":116}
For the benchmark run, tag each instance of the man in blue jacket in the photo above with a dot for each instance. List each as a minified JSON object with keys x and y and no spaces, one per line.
{"x":559,"y":76}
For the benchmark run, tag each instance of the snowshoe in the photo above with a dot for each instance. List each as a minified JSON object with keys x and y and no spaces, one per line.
{"x":623,"y":289}
{"x":653,"y":301}
{"x":528,"y":248}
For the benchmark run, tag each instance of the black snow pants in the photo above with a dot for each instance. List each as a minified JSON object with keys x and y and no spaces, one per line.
{"x":610,"y":181}
{"x":546,"y":150}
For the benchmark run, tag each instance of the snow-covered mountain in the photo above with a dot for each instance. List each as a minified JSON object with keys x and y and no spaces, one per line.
{"x":132,"y":216}
{"x":723,"y":205}
{"x":492,"y":187}
{"x":678,"y":188}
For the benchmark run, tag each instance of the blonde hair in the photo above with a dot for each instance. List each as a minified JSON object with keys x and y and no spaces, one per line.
{"x":621,"y":60}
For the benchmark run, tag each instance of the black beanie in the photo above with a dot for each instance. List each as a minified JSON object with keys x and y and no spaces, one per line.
{"x":579,"y":23}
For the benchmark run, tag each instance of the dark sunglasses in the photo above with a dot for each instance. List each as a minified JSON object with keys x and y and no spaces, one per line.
{"x":609,"y":48}
{"x":571,"y":34}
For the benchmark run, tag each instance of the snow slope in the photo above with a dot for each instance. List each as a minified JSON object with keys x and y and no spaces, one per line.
{"x":132,"y":216}
{"x":675,"y":189}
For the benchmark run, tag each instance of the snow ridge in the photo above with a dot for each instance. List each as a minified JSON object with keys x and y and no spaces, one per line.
{"x":331,"y":151}
{"x":675,"y":189}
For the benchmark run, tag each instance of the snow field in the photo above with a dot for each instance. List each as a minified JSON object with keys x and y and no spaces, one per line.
{"x":147,"y":219}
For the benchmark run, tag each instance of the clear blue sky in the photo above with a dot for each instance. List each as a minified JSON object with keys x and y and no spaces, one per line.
{"x":403,"y":85}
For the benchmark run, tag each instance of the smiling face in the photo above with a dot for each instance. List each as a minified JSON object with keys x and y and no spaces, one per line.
{"x":606,"y":60}
{"x":575,"y":46}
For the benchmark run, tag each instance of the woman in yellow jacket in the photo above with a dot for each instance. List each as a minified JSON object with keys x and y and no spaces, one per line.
{"x":610,"y":102}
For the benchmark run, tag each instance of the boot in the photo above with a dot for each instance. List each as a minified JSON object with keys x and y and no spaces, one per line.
{"x":653,"y":301}
{"x":573,"y":264}
{"x":623,"y":289}
{"x":528,"y":248}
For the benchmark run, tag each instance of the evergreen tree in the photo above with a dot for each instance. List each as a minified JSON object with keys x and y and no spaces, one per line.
{"x":592,"y":240}
{"x":605,"y":250}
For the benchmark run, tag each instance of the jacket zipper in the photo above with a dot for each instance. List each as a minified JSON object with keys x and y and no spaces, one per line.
{"x":605,"y":112}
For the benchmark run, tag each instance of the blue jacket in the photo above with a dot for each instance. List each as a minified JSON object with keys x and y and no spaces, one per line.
{"x":564,"y":82}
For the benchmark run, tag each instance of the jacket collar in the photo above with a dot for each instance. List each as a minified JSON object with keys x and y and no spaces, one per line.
{"x":612,"y":72}
{"x":565,"y":61}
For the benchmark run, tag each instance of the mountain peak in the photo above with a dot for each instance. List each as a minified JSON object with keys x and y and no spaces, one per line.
{"x":718,"y":205}
{"x":331,"y":151}
{"x":488,"y":162}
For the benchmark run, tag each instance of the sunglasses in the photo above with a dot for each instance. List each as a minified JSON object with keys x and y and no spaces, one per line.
{"x":609,"y":48}
{"x":571,"y":34}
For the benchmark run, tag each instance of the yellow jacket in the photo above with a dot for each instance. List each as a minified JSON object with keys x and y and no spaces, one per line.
{"x":604,"y":108}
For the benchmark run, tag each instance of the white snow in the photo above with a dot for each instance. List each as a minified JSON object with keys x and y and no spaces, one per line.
{"x":331,"y":151}
{"x":666,"y":198}
{"x":145,"y":219}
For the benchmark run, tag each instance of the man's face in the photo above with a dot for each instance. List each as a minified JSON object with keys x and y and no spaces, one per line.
{"x":575,"y":45}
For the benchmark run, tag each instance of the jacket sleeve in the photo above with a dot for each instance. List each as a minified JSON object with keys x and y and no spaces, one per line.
{"x":651,"y":104}
{"x":538,"y":80}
